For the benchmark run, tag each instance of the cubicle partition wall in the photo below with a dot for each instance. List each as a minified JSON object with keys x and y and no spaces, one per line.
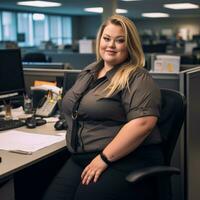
{"x":52,"y":75}
{"x":167,"y":80}
{"x":192,"y":138}
{"x":174,"y":81}
{"x":186,"y":155}
{"x":75,"y":60}
{"x":45,"y":65}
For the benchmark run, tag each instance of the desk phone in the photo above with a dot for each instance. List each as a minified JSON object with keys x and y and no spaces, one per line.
{"x":48,"y":106}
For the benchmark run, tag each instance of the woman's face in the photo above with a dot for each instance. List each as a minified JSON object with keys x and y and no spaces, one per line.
{"x":112,"y":46}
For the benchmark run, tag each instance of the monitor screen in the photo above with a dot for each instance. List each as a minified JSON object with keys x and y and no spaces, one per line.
{"x":69,"y":79}
{"x":11,"y":73}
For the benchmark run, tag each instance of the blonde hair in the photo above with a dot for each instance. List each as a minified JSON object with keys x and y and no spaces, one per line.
{"x":135,"y":53}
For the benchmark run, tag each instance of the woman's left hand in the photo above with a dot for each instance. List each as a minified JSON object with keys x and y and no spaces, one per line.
{"x":93,"y":171}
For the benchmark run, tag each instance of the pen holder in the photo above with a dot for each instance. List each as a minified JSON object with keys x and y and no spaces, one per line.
{"x":28,"y":105}
{"x":8,"y":112}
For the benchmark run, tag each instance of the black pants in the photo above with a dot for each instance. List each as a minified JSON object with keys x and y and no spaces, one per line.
{"x":111,"y":184}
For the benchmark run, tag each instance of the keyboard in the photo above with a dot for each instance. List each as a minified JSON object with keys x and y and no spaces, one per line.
{"x":10,"y":124}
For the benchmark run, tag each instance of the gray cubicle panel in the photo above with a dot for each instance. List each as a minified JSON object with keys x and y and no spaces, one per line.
{"x":187,"y":67}
{"x":174,"y":81}
{"x":193,"y":134}
{"x":167,"y":80}
{"x":45,"y":65}
{"x":185,"y":156}
{"x":32,"y":74}
{"x":75,"y":60}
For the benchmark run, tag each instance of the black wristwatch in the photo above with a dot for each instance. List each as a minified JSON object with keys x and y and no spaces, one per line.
{"x":103,"y":157}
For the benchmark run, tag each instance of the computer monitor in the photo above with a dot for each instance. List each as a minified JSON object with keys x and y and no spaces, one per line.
{"x":11,"y":74}
{"x":69,"y":79}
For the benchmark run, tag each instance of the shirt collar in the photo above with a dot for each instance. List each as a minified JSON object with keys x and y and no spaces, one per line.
{"x":112,"y":72}
{"x":94,"y":67}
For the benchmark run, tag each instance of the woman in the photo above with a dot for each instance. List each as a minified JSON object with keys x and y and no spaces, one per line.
{"x":111,"y":112}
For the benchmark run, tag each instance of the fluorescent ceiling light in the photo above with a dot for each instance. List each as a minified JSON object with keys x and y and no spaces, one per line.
{"x":155,"y":15}
{"x":39,"y":3}
{"x":181,"y":6}
{"x":38,"y":17}
{"x":95,"y":9}
{"x":100,"y":10}
{"x":118,"y":10}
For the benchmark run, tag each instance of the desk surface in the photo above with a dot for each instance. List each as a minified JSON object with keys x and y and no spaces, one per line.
{"x":13,"y":162}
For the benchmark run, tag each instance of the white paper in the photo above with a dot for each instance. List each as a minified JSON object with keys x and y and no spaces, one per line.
{"x":17,"y":113}
{"x":51,"y":119}
{"x":13,"y":140}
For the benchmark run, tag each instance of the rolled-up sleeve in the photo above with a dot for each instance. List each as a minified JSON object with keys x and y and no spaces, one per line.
{"x":142,"y":98}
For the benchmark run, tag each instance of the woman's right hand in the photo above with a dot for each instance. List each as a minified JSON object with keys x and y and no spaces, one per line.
{"x":93,"y":171}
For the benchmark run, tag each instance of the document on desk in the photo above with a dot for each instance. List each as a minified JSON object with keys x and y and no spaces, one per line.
{"x":18,"y":141}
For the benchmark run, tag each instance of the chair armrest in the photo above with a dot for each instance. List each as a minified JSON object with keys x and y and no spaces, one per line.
{"x":151,"y":171}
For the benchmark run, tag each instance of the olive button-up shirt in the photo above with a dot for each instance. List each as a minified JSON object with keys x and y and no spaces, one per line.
{"x":100,"y":117}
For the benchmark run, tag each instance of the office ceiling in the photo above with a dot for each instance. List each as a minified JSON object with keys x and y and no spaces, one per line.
{"x":135,"y":8}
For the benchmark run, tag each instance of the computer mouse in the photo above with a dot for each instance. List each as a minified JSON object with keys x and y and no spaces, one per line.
{"x":60,"y":125}
{"x":30,"y":122}
{"x":40,"y":122}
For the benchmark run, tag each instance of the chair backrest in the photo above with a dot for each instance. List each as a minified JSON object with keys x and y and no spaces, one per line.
{"x":172,"y":116}
{"x":70,"y":77}
{"x":34,"y":57}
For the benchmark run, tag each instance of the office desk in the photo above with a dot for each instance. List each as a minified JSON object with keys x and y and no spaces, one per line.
{"x":13,"y":162}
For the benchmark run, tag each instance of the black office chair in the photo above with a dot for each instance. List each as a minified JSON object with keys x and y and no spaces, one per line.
{"x":189,"y":59}
{"x":171,"y":120}
{"x":35,"y":57}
